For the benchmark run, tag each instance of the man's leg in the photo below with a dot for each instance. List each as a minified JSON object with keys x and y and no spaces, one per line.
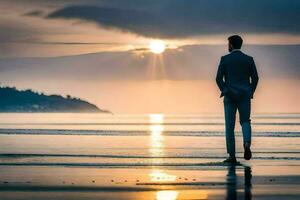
{"x":244,"y":108}
{"x":230,"y":108}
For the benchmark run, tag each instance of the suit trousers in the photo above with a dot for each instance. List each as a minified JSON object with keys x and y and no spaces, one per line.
{"x":230,"y":108}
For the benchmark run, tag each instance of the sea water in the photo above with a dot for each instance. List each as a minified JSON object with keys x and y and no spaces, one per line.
{"x":106,"y":140}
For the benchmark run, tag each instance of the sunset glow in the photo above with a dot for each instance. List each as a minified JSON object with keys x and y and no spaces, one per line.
{"x":157,"y":46}
{"x":141,"y":99}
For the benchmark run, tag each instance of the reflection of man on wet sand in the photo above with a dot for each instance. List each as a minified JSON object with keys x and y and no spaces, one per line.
{"x":232,"y":183}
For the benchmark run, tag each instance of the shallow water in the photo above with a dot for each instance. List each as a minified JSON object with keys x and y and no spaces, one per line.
{"x":138,"y":139}
{"x":55,"y":152}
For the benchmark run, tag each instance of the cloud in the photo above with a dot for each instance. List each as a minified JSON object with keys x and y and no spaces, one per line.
{"x":184,"y":18}
{"x":195,"y":62}
{"x":127,"y":20}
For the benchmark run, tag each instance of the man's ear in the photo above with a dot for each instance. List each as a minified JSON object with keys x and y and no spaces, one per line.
{"x":230,"y":47}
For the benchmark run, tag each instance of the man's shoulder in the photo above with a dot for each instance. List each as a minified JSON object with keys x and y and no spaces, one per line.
{"x":248,"y":56}
{"x":224,"y":57}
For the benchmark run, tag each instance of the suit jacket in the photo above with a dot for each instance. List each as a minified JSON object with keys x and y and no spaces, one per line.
{"x":237,"y":75}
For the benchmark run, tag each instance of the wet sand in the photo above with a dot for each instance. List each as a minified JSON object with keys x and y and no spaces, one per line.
{"x":252,"y":180}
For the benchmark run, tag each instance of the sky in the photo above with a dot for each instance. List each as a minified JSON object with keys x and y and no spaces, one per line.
{"x":98,"y":50}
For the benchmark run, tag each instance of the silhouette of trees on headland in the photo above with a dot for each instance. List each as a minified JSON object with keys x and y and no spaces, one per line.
{"x":14,"y":100}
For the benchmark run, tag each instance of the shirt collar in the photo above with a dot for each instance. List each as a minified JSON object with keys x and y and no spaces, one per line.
{"x":235,"y":50}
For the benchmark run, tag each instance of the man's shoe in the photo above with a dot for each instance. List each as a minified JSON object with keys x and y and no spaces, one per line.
{"x":230,"y":160}
{"x":247,"y":152}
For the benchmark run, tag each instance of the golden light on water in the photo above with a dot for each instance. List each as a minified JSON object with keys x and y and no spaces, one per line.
{"x":157,"y":46}
{"x":156,"y":118}
{"x":157,"y":150}
{"x":156,"y":128}
{"x":184,"y":194}
{"x":166,"y":195}
{"x":156,"y":137}
{"x":158,"y":175}
{"x":156,"y":132}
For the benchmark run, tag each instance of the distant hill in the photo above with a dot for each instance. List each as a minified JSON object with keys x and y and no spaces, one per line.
{"x":13,"y":100}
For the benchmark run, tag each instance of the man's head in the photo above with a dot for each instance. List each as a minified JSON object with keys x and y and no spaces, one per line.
{"x":234,"y":42}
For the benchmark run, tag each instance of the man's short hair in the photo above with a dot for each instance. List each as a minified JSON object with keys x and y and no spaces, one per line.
{"x":236,"y":41}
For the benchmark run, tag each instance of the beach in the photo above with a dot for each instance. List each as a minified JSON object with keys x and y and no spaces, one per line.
{"x":100,"y":156}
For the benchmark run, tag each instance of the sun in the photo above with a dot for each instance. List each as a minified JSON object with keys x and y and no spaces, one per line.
{"x":157,"y":46}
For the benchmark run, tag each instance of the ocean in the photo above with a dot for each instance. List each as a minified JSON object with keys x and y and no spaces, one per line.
{"x":115,"y":153}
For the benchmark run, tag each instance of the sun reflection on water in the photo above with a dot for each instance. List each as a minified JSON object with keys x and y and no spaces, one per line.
{"x":156,"y":118}
{"x":156,"y":137}
{"x":166,"y":195}
{"x":157,"y":150}
{"x":158,"y":175}
{"x":156,"y":142}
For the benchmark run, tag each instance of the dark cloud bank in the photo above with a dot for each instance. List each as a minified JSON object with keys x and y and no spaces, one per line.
{"x":183,"y":18}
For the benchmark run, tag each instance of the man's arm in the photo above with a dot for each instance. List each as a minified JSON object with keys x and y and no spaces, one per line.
{"x":254,"y":77}
{"x":220,"y":76}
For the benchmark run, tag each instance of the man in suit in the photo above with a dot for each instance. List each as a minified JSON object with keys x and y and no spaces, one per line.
{"x":237,"y":79}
